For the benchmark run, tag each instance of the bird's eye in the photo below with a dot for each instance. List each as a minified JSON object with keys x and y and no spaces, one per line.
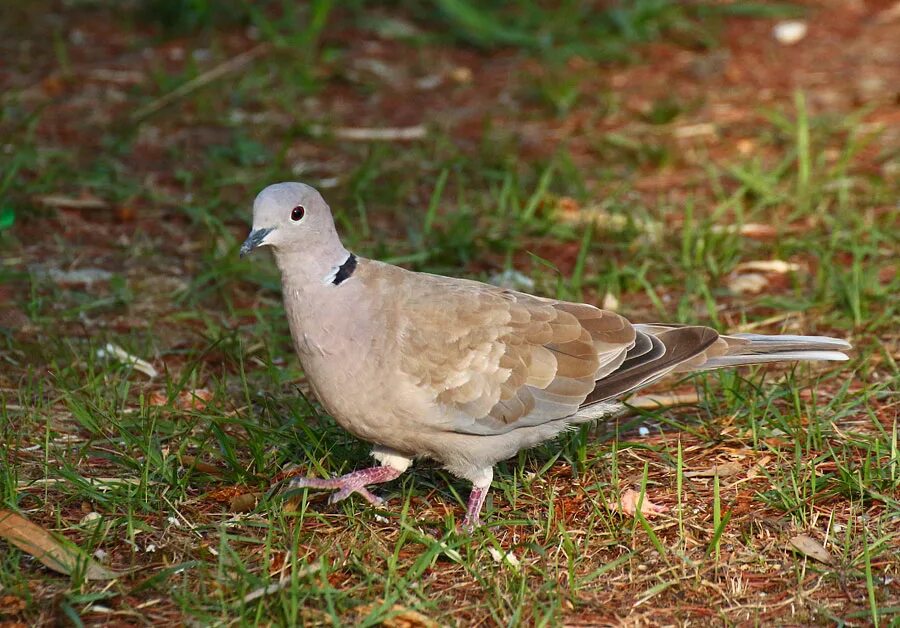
{"x":297,"y":213}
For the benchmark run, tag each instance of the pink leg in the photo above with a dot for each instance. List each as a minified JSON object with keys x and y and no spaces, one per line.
{"x":473,"y":508}
{"x":481,"y":484}
{"x":354,"y":482}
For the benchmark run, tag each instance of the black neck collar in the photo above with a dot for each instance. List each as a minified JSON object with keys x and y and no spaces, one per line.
{"x":345,"y":270}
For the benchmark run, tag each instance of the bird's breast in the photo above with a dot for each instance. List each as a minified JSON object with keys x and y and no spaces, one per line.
{"x":344,"y":355}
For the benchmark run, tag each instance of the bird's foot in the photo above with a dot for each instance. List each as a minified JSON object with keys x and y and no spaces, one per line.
{"x":350,"y":483}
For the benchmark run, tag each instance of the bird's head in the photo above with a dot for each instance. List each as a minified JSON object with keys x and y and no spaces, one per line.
{"x":291,"y":217}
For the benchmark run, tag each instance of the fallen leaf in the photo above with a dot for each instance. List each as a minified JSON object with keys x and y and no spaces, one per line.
{"x":627,"y":504}
{"x":408,"y":618}
{"x":126,"y":213}
{"x":387,"y":134}
{"x":750,"y":283}
{"x":722,"y":470}
{"x":11,"y":605}
{"x":461,"y":75}
{"x":759,"y":466}
{"x":808,"y":546}
{"x":196,"y":399}
{"x":118,"y":353}
{"x":244,"y":502}
{"x":278,"y":562}
{"x":767,"y":266}
{"x":499,"y":557}
{"x":752,"y":230}
{"x":401,"y":617}
{"x":90,"y":517}
{"x":191,"y":462}
{"x":757,"y":275}
{"x":58,"y":555}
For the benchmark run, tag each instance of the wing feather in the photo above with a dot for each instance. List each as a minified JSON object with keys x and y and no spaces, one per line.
{"x":497,"y":360}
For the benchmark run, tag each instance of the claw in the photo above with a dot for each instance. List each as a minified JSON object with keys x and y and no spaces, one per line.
{"x":362,"y":491}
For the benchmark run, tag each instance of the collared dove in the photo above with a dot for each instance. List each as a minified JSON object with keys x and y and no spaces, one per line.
{"x":458,"y":371}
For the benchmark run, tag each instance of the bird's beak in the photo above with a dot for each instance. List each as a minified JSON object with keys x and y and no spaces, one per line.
{"x":255,"y":239}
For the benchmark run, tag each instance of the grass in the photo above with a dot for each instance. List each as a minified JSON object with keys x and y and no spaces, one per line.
{"x":181,"y":483}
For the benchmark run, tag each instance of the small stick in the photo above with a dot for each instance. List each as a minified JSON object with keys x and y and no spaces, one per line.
{"x":65,"y":202}
{"x":654,"y":402}
{"x":235,"y":63}
{"x":389,"y":134}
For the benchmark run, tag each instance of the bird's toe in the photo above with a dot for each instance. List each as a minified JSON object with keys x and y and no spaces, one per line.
{"x":470,"y":525}
{"x":303,"y":482}
{"x":339,"y":496}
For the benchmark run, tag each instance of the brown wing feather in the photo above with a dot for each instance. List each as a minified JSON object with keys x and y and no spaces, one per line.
{"x":498,"y":359}
{"x":681,"y":345}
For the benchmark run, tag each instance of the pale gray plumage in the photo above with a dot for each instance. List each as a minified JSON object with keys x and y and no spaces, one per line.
{"x":459,"y":371}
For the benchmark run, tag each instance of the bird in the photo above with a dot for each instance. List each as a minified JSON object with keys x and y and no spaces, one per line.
{"x":464,"y":373}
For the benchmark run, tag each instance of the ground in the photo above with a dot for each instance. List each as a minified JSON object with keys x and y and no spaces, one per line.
{"x":673,"y":161}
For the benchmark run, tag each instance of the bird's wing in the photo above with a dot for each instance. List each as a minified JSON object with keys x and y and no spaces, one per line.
{"x":498,"y":360}
{"x":671,"y":349}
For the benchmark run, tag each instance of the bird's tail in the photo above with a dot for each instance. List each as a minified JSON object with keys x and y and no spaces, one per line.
{"x":740,"y":349}
{"x":662,"y":349}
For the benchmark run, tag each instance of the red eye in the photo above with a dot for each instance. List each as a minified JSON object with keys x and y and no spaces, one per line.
{"x":297,"y":213}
